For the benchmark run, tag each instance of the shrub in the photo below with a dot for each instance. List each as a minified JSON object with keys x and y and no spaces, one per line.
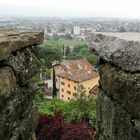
{"x":49,"y":127}
{"x":77,"y":132}
{"x":83,"y":109}
{"x":74,"y":111}
{"x":53,"y":128}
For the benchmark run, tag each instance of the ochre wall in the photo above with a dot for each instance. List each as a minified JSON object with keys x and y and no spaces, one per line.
{"x":66,"y":88}
{"x":88,"y":84}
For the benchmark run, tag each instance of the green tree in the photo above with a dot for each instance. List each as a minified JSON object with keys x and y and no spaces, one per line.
{"x":121,"y":29}
{"x":82,"y":51}
{"x":49,"y":54}
{"x":67,"y":50}
{"x":62,"y":29}
{"x":93,"y":59}
{"x":82,"y":108}
{"x":54,"y":85}
{"x":68,"y":36}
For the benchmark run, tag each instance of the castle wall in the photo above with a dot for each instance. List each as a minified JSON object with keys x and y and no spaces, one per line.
{"x":18,"y":117}
{"x":118,"y":105}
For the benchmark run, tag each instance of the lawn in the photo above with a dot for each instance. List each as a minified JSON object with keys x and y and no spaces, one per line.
{"x":65,"y":42}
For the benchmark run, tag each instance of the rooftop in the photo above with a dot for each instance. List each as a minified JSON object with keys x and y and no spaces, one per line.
{"x":77,"y":64}
{"x":78,"y":70}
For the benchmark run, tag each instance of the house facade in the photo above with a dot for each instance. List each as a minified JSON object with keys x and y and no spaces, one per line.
{"x":71,"y":74}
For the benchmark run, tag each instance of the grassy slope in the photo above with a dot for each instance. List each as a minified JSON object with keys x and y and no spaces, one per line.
{"x":65,"y":42}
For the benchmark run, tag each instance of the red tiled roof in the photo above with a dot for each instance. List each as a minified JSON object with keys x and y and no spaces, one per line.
{"x":77,"y":64}
{"x":78,"y":76}
{"x":78,"y":70}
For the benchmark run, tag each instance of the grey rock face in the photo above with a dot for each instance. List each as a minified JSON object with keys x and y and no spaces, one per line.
{"x":118,"y":105}
{"x":121,"y":87}
{"x":114,"y":122}
{"x":13,"y":40}
{"x":23,"y":64}
{"x":18,"y":118}
{"x":122,"y":50}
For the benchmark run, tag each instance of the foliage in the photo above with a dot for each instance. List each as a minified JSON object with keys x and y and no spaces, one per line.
{"x":62,"y":29}
{"x":49,"y":127}
{"x":54,"y":84}
{"x":74,"y":111}
{"x":67,"y":50}
{"x":82,"y":51}
{"x":49,"y":54}
{"x":52,"y":50}
{"x":78,"y":131}
{"x":93,"y":59}
{"x":53,"y":128}
{"x":48,"y":106}
{"x":48,"y":73}
{"x":121,"y":29}
{"x":40,"y":71}
{"x":70,"y":125}
{"x":39,"y":98}
{"x":83,"y":109}
{"x":66,"y":42}
{"x":36,"y":79}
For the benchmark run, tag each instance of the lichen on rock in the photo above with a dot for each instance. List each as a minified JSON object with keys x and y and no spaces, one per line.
{"x":120,"y":49}
{"x":18,"y":118}
{"x":118,"y":105}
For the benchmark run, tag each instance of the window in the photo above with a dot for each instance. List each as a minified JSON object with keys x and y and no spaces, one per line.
{"x":74,"y":94}
{"x":62,"y":83}
{"x":69,"y":92}
{"x":68,"y":98}
{"x":75,"y":87}
{"x":62,"y":90}
{"x":69,"y":85}
{"x":62,"y":96}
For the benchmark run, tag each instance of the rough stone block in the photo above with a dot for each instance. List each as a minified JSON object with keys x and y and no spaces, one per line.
{"x":114,"y":122}
{"x":18,"y":118}
{"x":7,"y":84}
{"x":24,"y":65}
{"x":122,"y":87}
{"x":120,"y":49}
{"x":13,"y":40}
{"x":118,"y":105}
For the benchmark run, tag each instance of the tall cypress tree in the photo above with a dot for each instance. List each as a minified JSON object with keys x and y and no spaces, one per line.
{"x":54,"y":85}
{"x":67,"y":50}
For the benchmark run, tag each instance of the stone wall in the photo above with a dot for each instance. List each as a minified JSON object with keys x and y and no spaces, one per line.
{"x":18,"y":118}
{"x":118,"y":105}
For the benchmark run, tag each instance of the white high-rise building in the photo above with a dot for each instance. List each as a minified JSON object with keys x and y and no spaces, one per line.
{"x":76,"y":30}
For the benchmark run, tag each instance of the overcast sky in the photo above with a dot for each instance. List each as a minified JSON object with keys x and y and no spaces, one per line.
{"x":72,"y":8}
